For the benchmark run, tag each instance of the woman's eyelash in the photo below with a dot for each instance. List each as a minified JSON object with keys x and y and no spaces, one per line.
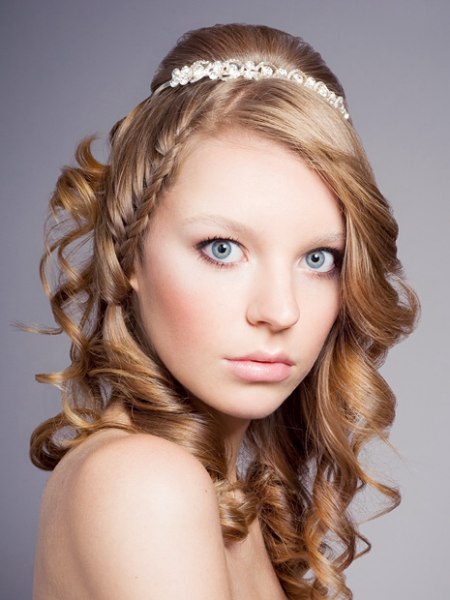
{"x":223,"y":250}
{"x":338,"y":257}
{"x":219,"y":262}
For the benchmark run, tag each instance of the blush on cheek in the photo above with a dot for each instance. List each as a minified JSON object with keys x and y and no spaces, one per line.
{"x":172,"y":307}
{"x":179,"y":309}
{"x":317,"y":326}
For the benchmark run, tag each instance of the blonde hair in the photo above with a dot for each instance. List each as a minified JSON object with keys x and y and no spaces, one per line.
{"x":303,"y":468}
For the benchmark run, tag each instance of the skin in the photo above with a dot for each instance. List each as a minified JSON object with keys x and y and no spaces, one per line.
{"x":262,"y":297}
{"x":130,"y":517}
{"x":133,"y":516}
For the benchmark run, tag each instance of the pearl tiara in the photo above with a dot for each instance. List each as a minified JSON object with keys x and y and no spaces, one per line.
{"x":234,"y":69}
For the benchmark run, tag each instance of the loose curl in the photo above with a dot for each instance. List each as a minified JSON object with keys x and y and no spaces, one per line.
{"x":302,"y":463}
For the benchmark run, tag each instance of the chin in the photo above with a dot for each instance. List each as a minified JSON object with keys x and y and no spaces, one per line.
{"x":247,"y":407}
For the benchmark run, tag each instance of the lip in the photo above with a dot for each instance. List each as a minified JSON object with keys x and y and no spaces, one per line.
{"x":265,"y":357}
{"x":261,"y":367}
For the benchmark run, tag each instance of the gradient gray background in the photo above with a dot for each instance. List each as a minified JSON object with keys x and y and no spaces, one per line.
{"x":73,"y":68}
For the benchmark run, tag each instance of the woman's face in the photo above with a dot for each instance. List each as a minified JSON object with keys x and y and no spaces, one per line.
{"x":238,"y":287}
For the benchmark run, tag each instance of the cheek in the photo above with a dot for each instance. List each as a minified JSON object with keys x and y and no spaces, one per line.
{"x":175,"y":312}
{"x":319,"y":314}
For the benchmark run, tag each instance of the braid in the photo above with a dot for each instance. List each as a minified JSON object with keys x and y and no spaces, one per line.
{"x":303,"y":469}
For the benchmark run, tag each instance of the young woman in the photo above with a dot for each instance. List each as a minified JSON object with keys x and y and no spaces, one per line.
{"x":229,"y":282}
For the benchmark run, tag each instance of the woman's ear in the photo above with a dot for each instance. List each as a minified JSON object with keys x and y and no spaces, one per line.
{"x":134,"y":279}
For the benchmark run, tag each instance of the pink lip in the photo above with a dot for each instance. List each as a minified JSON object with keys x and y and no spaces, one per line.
{"x":261,"y":367}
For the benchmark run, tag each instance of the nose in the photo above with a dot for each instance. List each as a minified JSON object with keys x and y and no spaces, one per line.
{"x":273,"y":301}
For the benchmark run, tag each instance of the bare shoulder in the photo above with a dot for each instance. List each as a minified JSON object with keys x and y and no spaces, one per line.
{"x":147,"y":465}
{"x":144,"y":522}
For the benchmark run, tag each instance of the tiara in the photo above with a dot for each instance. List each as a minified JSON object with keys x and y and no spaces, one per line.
{"x":234,"y":69}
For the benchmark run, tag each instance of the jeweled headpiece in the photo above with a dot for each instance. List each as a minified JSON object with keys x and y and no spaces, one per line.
{"x":234,"y":69}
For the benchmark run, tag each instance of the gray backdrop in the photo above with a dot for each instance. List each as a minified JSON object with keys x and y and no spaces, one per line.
{"x":73,"y":68}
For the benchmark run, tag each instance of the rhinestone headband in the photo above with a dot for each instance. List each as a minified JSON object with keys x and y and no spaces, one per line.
{"x":234,"y":69}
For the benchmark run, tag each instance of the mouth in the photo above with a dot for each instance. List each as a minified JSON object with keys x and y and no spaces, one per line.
{"x":265,"y":357}
{"x":261,"y":367}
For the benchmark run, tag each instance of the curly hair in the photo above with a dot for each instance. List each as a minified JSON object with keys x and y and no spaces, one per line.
{"x":302,"y":466}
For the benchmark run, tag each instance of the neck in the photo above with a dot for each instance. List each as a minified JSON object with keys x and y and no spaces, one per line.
{"x":234,"y":431}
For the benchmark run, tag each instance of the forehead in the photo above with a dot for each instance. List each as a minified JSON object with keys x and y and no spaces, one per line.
{"x":246,"y":178}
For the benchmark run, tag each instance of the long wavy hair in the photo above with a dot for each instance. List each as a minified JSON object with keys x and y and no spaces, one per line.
{"x":302,"y":464}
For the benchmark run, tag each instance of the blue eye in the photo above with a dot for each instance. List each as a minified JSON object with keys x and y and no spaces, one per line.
{"x":221,"y":251}
{"x":321,"y":261}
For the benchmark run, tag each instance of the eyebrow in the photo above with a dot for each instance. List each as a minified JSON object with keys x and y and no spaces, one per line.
{"x":230,"y":224}
{"x":236,"y":227}
{"x":333,"y":238}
